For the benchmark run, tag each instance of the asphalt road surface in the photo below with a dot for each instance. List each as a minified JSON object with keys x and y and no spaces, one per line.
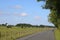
{"x":47,"y":35}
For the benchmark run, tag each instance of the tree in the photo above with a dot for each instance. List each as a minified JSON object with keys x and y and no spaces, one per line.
{"x":23,"y":25}
{"x":3,"y":24}
{"x":52,"y":18}
{"x":54,"y":6}
{"x":9,"y":26}
{"x":6,"y":24}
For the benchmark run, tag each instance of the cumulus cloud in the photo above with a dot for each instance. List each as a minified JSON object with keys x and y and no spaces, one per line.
{"x":23,"y":14}
{"x":37,"y":17}
{"x":16,"y":6}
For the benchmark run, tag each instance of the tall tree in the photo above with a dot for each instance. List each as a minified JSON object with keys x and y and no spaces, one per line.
{"x":54,"y":6}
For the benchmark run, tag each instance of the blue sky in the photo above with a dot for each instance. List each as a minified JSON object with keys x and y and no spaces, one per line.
{"x":23,"y":11}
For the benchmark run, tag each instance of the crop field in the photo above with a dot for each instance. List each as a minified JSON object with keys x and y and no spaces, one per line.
{"x":17,"y":32}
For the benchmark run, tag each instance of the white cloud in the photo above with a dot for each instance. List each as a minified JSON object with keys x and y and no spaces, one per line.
{"x":16,"y":6}
{"x":37,"y":17}
{"x":23,"y":14}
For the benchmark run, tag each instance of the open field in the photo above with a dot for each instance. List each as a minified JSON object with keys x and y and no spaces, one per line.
{"x":17,"y":32}
{"x":57,"y":34}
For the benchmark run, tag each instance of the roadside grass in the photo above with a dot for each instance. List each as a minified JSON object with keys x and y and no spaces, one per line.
{"x":57,"y":34}
{"x":17,"y":32}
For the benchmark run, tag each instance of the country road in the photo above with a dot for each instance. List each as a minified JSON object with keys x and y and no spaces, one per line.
{"x":47,"y":35}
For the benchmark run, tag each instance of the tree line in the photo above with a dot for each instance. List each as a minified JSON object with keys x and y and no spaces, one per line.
{"x":24,"y":25}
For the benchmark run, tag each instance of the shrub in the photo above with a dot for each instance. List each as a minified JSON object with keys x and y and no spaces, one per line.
{"x":9,"y":26}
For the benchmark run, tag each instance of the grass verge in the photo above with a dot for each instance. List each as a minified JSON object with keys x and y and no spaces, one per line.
{"x":57,"y":34}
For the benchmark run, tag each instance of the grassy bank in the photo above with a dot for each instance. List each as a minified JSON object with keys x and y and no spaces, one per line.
{"x":57,"y":34}
{"x":17,"y":32}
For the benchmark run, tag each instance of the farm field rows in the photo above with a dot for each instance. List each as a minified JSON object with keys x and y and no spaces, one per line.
{"x":17,"y":32}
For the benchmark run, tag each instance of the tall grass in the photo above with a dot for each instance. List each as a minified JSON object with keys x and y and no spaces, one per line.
{"x":17,"y":32}
{"x":57,"y":34}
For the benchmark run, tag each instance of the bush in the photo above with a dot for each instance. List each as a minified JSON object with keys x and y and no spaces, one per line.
{"x":9,"y":26}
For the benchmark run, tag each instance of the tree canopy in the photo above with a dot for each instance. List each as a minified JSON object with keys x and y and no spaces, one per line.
{"x":54,"y":6}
